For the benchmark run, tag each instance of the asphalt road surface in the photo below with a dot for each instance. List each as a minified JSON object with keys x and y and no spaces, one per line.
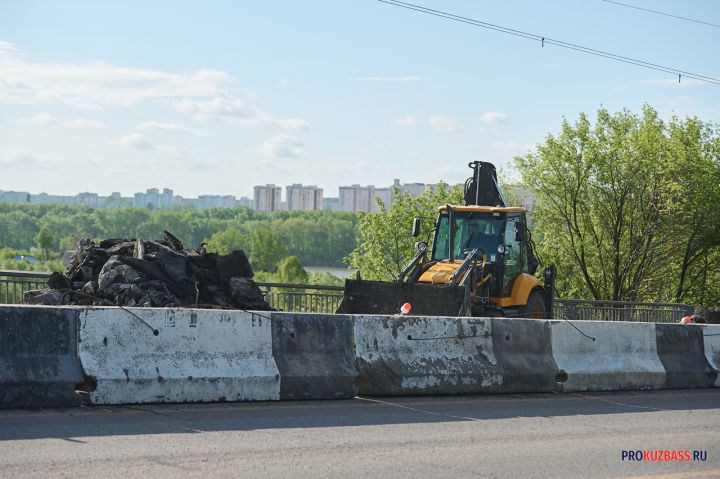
{"x":541,"y":435}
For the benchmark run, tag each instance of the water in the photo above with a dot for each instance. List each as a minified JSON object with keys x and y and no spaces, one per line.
{"x":339,"y":272}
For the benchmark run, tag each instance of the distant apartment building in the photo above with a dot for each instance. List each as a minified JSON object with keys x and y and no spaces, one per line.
{"x":267,"y":198}
{"x":356,"y":198}
{"x":44,"y":198}
{"x":245,"y":202}
{"x":88,"y":199}
{"x":412,"y":189}
{"x":15,"y":196}
{"x":215,"y":201}
{"x":304,"y":198}
{"x":116,"y":200}
{"x":154,"y":199}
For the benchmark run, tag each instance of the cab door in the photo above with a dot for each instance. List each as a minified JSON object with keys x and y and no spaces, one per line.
{"x":513,"y":260}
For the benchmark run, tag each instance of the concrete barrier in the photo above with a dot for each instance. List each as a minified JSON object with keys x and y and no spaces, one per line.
{"x":523,"y":349}
{"x":197,"y":355}
{"x":682,"y":351}
{"x":39,"y":366}
{"x":402,"y":355}
{"x":622,"y":356}
{"x":711,"y":346}
{"x":315,"y":355}
{"x":142,"y":355}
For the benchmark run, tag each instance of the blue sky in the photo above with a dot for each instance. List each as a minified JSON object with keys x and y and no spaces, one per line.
{"x":215,"y":97}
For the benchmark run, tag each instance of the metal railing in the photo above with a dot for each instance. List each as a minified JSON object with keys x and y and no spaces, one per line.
{"x":326,"y":299}
{"x":590,"y":310}
{"x":302,"y":297}
{"x":14,"y":284}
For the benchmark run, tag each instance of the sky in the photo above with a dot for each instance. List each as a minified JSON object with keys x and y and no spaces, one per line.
{"x":215,"y":97}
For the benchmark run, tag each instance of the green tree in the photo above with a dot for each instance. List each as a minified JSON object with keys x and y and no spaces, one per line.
{"x":228,"y":240}
{"x":290,"y":270}
{"x":45,"y":240}
{"x":385,"y":244}
{"x":266,"y":250}
{"x":613,"y":209}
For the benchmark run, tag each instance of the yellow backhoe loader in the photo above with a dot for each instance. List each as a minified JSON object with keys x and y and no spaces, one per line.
{"x":482,"y":263}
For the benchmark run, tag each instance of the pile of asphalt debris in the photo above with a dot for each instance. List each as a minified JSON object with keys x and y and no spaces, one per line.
{"x":130,"y":272}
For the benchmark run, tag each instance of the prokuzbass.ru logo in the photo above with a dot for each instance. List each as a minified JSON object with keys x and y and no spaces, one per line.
{"x":665,"y":455}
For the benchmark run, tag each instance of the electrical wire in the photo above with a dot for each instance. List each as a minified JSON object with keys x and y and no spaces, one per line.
{"x":662,"y":13}
{"x":559,"y":43}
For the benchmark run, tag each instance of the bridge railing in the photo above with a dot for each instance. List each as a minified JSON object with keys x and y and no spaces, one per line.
{"x":590,"y":310}
{"x":13,"y":284}
{"x":326,"y":299}
{"x":302,"y":297}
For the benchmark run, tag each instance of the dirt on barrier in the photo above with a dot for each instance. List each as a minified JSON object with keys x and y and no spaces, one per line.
{"x":160,"y":273}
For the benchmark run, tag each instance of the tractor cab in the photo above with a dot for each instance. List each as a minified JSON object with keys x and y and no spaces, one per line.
{"x":497,"y":237}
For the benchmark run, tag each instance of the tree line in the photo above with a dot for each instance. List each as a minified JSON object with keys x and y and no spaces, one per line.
{"x":316,"y":238}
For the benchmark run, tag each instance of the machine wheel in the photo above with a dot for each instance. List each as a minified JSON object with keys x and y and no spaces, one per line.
{"x":535,"y":307}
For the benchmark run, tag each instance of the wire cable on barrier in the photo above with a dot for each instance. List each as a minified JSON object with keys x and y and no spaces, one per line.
{"x":571,"y":324}
{"x":578,"y":329}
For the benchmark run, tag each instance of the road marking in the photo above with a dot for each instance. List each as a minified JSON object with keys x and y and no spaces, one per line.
{"x":622,"y":404}
{"x":401,"y":406}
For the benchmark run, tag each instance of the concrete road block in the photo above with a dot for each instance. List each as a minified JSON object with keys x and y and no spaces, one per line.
{"x":39,"y":366}
{"x":711,"y":343}
{"x":401,"y":355}
{"x":197,"y":355}
{"x":315,"y":355}
{"x":682,"y":351}
{"x":523,"y":349}
{"x":623,"y":356}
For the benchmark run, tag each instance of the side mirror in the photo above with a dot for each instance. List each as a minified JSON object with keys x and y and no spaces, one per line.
{"x":416,"y":227}
{"x":519,"y":231}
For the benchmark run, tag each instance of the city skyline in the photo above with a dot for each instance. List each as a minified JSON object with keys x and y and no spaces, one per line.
{"x":266,"y":198}
{"x":240,"y":94}
{"x":174,"y":192}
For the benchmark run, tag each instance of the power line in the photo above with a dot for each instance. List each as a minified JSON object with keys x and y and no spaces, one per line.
{"x":559,"y":43}
{"x":662,"y":13}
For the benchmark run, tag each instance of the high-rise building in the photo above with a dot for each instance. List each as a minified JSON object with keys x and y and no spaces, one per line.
{"x":412,"y":189}
{"x":165,"y":199}
{"x":267,"y":198}
{"x":362,"y":198}
{"x":153,"y":199}
{"x":304,"y":198}
{"x":88,"y":199}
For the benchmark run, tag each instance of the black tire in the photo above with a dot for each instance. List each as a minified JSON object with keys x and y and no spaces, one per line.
{"x":535,"y":307}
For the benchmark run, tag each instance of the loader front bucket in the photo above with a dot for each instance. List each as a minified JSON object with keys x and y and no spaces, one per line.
{"x":382,"y":297}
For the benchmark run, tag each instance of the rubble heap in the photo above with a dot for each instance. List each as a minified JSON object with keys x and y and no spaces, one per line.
{"x":129,"y":272}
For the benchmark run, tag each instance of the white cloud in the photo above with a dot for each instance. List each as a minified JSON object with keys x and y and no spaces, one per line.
{"x":389,"y":79}
{"x":445,"y":124}
{"x":94,"y":85}
{"x":17,"y":158}
{"x":46,"y":119}
{"x":407,"y":121}
{"x":137,"y":141}
{"x":495,"y":118}
{"x":236,"y":111}
{"x":283,"y":146}
{"x":166,"y":127}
